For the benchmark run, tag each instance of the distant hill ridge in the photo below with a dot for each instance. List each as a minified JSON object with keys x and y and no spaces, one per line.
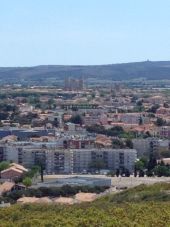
{"x":151,"y":70}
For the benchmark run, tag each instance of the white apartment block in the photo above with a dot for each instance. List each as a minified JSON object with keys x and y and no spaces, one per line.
{"x":57,"y":160}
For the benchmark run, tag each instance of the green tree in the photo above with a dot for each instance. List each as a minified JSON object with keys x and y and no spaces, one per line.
{"x":33,"y":100}
{"x":4,"y":115}
{"x":165,"y":154}
{"x":140,"y":121}
{"x":96,"y":129}
{"x":139,"y":103}
{"x":139,"y":165}
{"x":93,"y":95}
{"x":51,"y":103}
{"x":160,"y":122}
{"x":152,"y":162}
{"x":154,"y":108}
{"x":27,"y":181}
{"x":117,"y":144}
{"x":55,"y":123}
{"x":111,"y":173}
{"x":135,"y":172}
{"x":151,"y":115}
{"x":76,"y":119}
{"x":161,"y":170}
{"x":40,"y":161}
{"x":129,"y":143}
{"x":145,"y":161}
{"x":4,"y":165}
{"x":115,"y":131}
{"x":166,"y":105}
{"x":117,"y":172}
{"x":127,"y":173}
{"x":35,"y":170}
{"x":140,"y":106}
{"x":141,"y":173}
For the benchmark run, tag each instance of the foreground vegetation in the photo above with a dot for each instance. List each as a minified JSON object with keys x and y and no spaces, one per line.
{"x":140,"y":206}
{"x":85,"y":215}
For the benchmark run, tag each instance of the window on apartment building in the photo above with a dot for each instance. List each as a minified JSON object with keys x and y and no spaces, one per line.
{"x":83,"y":144}
{"x":121,"y":158}
{"x":65,"y":144}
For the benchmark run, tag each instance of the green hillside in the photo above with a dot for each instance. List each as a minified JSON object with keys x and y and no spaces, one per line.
{"x":140,"y":206}
{"x":49,"y":74}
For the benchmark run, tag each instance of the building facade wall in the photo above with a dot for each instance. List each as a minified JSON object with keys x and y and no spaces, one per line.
{"x":57,"y":160}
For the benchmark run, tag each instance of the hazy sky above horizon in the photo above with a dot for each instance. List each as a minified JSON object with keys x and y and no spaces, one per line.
{"x":36,"y":32}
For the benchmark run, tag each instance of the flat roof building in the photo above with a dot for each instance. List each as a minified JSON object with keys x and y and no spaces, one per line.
{"x":59,"y":160}
{"x":76,"y":181}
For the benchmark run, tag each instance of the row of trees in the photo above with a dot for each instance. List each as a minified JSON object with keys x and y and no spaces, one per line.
{"x":116,"y":131}
{"x":65,"y":190}
{"x":151,"y":167}
{"x":120,"y":144}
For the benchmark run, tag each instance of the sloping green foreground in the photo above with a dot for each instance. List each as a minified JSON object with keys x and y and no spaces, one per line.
{"x":141,"y":206}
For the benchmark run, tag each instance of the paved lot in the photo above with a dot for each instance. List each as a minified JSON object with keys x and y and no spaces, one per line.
{"x":117,"y":181}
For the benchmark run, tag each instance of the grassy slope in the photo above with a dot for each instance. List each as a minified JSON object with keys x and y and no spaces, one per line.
{"x":141,"y":206}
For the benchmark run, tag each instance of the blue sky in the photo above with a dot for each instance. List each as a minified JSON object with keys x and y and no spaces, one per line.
{"x":36,"y":32}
